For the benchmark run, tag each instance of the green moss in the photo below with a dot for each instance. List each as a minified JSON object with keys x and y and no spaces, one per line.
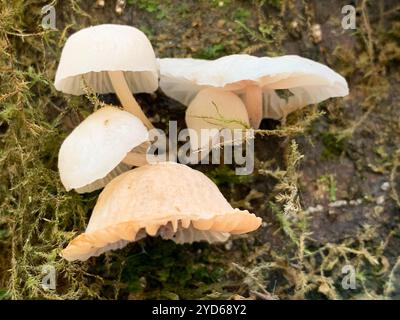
{"x":333,"y":146}
{"x":225,"y":175}
{"x":329,"y":181}
{"x":3,"y":294}
{"x":211,"y":52}
{"x":4,"y":234}
{"x":241,"y":15}
{"x":178,"y":270}
{"x":274,"y":3}
{"x":155,"y":7}
{"x":285,"y":223}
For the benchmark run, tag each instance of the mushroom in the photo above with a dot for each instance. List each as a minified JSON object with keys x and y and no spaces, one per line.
{"x":110,"y":58}
{"x":210,"y":111}
{"x":99,"y":149}
{"x":256,"y":80}
{"x":165,"y":199}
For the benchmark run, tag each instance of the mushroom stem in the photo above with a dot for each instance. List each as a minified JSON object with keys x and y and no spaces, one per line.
{"x":126,"y":97}
{"x":253,"y":101}
{"x":138,"y":156}
{"x":135,"y":159}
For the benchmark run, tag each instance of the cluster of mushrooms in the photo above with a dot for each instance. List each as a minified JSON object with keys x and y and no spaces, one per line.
{"x":166,"y":199}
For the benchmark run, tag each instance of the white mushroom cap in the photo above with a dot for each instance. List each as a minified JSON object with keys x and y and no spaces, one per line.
{"x":211,"y":109}
{"x":308,"y":81}
{"x":93,"y":51}
{"x":166,"y":199}
{"x":96,"y":147}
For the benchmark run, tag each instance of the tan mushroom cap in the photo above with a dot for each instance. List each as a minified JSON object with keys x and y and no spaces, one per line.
{"x":92,"y":153}
{"x":211,"y":110}
{"x":93,"y":51}
{"x":166,"y":199}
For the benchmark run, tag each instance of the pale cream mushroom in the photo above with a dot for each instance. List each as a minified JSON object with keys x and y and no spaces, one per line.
{"x":256,"y":80}
{"x":166,"y":199}
{"x":99,"y":149}
{"x":109,"y":58}
{"x":212,"y":110}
